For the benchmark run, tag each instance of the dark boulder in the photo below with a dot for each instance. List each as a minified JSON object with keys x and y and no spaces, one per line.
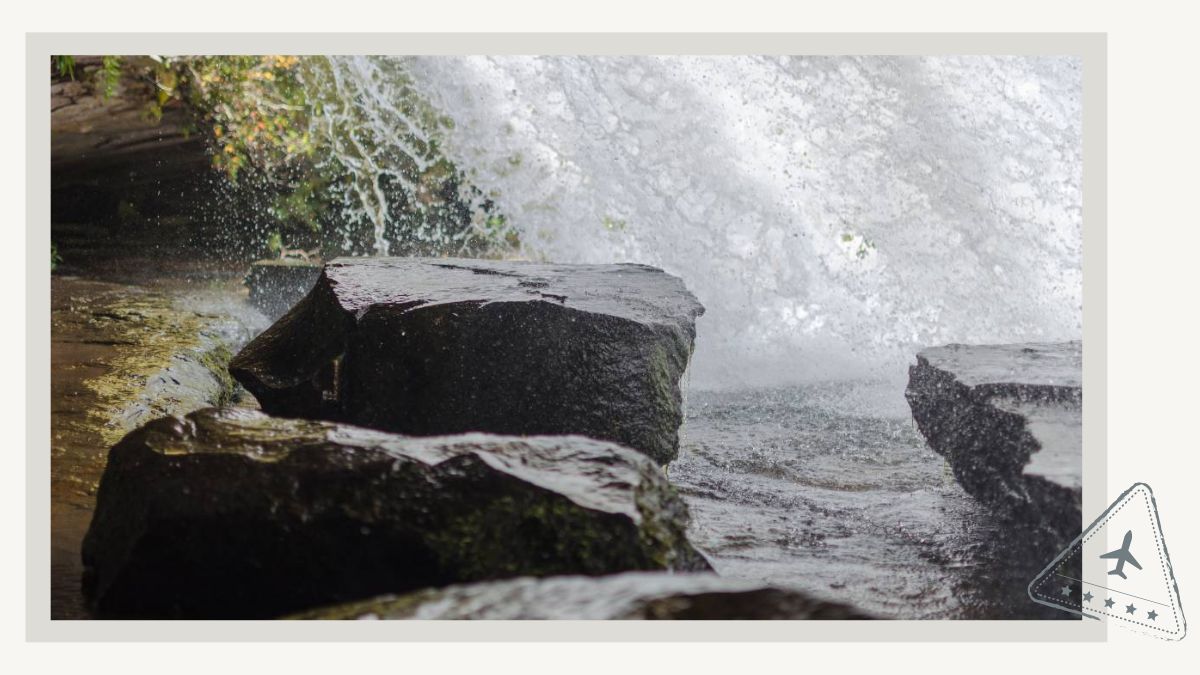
{"x":633,"y":595}
{"x":439,"y":346}
{"x":277,"y":285}
{"x":233,"y":514}
{"x":1008,"y":420}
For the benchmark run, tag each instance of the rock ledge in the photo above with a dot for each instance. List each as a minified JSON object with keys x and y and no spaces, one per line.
{"x":1008,"y":419}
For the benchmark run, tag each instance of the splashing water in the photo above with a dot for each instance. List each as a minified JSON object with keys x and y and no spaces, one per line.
{"x":832,"y":213}
{"x":379,"y":140}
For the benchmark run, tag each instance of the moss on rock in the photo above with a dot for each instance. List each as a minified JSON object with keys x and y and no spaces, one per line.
{"x":233,"y":514}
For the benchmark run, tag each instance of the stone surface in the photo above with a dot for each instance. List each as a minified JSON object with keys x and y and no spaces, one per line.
{"x":632,"y":595}
{"x":234,"y":514}
{"x":84,"y":122}
{"x":277,"y":285}
{"x":105,"y":148}
{"x":120,"y":356}
{"x":438,"y":346}
{"x":1008,"y":420}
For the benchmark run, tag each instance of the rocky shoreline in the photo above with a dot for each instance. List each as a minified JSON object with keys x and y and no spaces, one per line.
{"x":381,"y":482}
{"x":233,"y":513}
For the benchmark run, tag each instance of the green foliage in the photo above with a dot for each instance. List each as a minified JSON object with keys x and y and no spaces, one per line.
{"x":65,"y":66}
{"x":864,"y":249}
{"x":110,"y":74}
{"x":275,"y":244}
{"x":255,"y":107}
{"x":865,"y":246}
{"x":55,"y":258}
{"x":301,"y":207}
{"x":613,"y":224}
{"x":105,"y":76}
{"x":127,"y":212}
{"x":497,"y":229}
{"x":378,"y":150}
{"x":299,"y":144}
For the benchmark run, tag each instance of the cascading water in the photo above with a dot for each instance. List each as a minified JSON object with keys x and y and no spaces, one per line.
{"x":830,"y":213}
{"x":380,"y":165}
{"x":834,"y":215}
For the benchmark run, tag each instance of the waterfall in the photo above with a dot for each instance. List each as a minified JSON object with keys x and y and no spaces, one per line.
{"x":833,"y":214}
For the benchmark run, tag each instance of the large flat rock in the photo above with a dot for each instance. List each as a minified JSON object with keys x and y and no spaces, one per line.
{"x":234,"y":514}
{"x":1008,"y":419}
{"x":438,"y":346}
{"x":632,"y":595}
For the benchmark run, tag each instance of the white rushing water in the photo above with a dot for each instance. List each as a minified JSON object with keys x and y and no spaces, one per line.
{"x":833,"y":214}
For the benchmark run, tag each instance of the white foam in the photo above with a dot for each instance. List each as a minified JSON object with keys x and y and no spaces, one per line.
{"x":833,"y":214}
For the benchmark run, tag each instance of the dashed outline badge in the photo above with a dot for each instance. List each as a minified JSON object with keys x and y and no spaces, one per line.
{"x":1118,"y":570}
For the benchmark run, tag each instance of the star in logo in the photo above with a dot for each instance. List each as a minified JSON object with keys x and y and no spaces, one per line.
{"x":1087,"y":597}
{"x":1108,"y":602}
{"x":1066,"y":590}
{"x":1152,"y":615}
{"x":1130,"y":609}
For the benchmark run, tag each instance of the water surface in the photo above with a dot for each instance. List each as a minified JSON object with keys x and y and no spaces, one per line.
{"x":830,"y":488}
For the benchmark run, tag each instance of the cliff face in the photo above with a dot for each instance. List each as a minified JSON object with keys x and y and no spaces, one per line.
{"x":86,"y":126}
{"x":127,"y":183}
{"x":102,"y":147}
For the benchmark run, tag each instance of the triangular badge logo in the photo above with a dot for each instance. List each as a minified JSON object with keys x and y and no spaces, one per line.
{"x":1118,"y":570}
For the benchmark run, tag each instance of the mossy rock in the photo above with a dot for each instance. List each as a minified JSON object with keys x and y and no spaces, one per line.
{"x":234,"y":514}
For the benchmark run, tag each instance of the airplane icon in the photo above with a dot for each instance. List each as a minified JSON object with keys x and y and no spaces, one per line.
{"x":1122,"y":556}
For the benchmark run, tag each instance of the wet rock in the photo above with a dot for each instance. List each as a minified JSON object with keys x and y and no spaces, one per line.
{"x":234,"y":514}
{"x":438,"y":346}
{"x":1008,"y":420}
{"x":633,"y":595}
{"x":123,"y":355}
{"x":277,"y":285}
